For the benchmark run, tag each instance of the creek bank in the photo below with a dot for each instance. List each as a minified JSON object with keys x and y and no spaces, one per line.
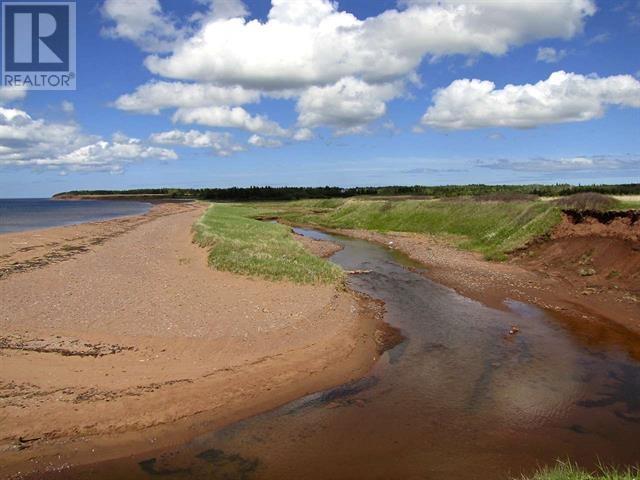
{"x":586,"y":271}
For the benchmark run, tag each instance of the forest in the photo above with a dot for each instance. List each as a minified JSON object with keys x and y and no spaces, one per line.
{"x":256,"y":193}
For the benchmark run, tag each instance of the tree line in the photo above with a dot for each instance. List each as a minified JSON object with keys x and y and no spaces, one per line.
{"x":300,"y":193}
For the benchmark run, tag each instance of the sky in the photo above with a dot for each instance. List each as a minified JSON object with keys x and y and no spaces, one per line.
{"x":219,"y":93}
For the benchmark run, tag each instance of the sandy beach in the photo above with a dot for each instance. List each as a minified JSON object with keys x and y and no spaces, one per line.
{"x":117,"y":338}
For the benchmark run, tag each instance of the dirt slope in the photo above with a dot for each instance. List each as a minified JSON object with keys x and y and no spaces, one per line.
{"x":596,"y":258}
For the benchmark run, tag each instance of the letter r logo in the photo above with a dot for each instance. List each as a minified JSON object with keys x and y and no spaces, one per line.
{"x":39,"y":44}
{"x":23,"y":33}
{"x":36,"y":37}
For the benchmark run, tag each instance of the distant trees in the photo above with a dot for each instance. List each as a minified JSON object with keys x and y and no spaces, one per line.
{"x":300,"y":193}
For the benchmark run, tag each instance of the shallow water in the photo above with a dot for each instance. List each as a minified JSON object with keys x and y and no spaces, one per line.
{"x":460,"y":398}
{"x":20,"y":214}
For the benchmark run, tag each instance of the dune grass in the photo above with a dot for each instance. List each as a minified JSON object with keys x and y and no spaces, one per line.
{"x":490,"y":227}
{"x":564,"y":470}
{"x":239,"y":243}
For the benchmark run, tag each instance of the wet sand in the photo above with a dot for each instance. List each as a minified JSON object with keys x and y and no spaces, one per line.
{"x":117,"y":337}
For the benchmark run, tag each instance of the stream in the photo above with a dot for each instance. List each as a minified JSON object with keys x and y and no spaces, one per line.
{"x":460,"y":398}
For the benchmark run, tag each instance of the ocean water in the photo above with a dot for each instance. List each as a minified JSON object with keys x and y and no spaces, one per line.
{"x":20,"y":214}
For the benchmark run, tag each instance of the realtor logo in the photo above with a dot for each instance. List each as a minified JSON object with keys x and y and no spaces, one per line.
{"x":39,"y":45}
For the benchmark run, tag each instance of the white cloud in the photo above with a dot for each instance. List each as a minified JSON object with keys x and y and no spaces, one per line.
{"x":110,"y":156}
{"x":303,"y":135}
{"x":221,"y":142}
{"x":348,"y":105}
{"x":25,"y":142}
{"x":563,"y":97}
{"x":157,"y":95}
{"x":142,"y":22}
{"x":310,"y":42}
{"x":258,"y":141}
{"x":340,"y":69}
{"x":236,"y":117}
{"x":550,"y":55}
{"x":10,"y":94}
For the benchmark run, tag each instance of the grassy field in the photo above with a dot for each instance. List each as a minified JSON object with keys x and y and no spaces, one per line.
{"x":567,"y":471}
{"x":492,"y":228}
{"x":241,"y":244}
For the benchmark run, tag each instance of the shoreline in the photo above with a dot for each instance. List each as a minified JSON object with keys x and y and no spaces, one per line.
{"x":130,"y":342}
{"x":149,"y":207}
{"x":30,"y":249}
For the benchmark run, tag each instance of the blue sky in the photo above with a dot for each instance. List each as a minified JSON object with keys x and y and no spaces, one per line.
{"x":306,"y":92}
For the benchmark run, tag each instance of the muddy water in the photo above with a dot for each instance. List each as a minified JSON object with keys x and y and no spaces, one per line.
{"x":460,"y":398}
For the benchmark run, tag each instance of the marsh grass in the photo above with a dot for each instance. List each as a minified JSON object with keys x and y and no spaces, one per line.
{"x":490,"y":227}
{"x":588,"y":201}
{"x":565,"y":470}
{"x":239,"y":243}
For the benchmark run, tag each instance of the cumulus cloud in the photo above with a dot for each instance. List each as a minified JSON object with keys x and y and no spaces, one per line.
{"x":258,"y":141}
{"x":563,"y":97}
{"x":11,"y":94}
{"x":577,"y":163}
{"x":141,"y":21}
{"x":347,"y":105}
{"x":236,"y":117}
{"x":340,"y":69}
{"x":221,"y":142}
{"x":158,"y":95}
{"x":311,"y":42}
{"x":109,"y":156}
{"x":550,"y":55}
{"x":35,"y":143}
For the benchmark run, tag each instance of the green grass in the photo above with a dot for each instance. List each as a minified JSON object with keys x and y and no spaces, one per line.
{"x":569,"y":471}
{"x":492,"y":228}
{"x":628,"y":205}
{"x":322,"y":203}
{"x":241,"y":244}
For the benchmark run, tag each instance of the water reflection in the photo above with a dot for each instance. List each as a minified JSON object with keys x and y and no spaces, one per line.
{"x":623,"y":392}
{"x":214,"y":464}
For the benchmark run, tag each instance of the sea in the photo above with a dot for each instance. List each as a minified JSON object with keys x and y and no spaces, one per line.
{"x":21,"y":214}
